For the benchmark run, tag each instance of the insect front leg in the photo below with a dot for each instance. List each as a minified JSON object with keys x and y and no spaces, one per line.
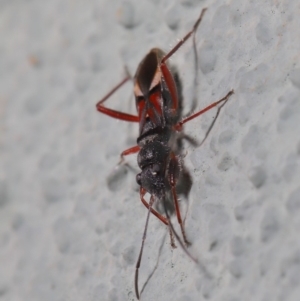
{"x":174,"y":170}
{"x":158,"y":215}
{"x":153,"y":211}
{"x":129,"y":151}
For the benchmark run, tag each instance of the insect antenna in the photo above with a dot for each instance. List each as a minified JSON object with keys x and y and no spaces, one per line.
{"x":136,"y":275}
{"x":156,"y":265}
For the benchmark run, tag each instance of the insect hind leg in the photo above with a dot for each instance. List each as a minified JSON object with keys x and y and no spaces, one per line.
{"x":185,"y":38}
{"x":164,"y":68}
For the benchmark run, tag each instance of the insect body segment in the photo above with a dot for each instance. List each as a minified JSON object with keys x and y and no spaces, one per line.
{"x":153,"y":99}
{"x":159,"y":107}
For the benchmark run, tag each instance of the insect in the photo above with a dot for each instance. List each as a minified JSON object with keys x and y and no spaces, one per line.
{"x":159,"y":109}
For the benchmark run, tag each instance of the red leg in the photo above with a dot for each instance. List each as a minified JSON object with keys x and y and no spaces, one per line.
{"x":187,"y":36}
{"x":173,"y":173}
{"x":166,"y":72}
{"x":154,"y":212}
{"x":113,"y":113}
{"x":129,"y":151}
{"x":178,"y":126}
{"x":159,"y":216}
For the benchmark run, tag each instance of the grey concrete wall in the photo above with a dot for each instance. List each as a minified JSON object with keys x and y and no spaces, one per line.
{"x":65,"y":234}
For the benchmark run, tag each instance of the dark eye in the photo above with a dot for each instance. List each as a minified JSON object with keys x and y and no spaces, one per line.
{"x":139,"y":179}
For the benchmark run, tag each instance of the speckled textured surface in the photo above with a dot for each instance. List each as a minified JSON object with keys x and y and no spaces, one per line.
{"x":65,"y":234}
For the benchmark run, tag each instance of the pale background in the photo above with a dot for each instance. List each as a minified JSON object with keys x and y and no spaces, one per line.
{"x":65,"y":234}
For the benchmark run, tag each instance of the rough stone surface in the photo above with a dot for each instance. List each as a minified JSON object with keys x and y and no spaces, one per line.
{"x":71,"y":225}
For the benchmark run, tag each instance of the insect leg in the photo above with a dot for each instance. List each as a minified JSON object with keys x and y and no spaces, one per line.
{"x":186,"y":37}
{"x":177,"y":236}
{"x":173,"y":174}
{"x":178,"y":126}
{"x":154,"y":212}
{"x":112,"y":113}
{"x":166,"y":72}
{"x":159,"y":216}
{"x":129,"y":151}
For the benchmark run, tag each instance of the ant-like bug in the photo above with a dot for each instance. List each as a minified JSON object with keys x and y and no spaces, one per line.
{"x":159,"y":117}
